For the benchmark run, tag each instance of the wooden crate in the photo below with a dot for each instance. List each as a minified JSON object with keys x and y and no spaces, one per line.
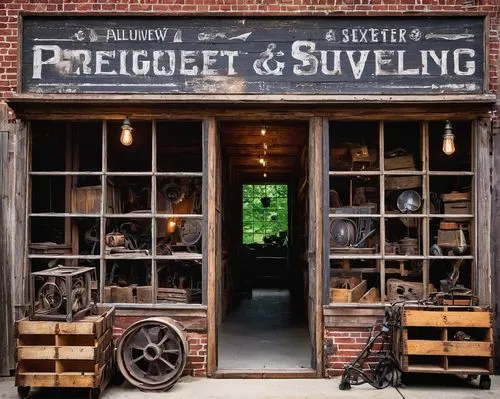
{"x":61,"y":354}
{"x":405,"y":162}
{"x":348,"y":295}
{"x":402,"y":182}
{"x":88,"y":199}
{"x":428,"y":340}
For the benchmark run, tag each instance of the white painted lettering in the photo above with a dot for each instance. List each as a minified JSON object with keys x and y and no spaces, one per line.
{"x":208,"y":61}
{"x":123,"y":62}
{"x":358,"y":67}
{"x":337,"y":70}
{"x":309,"y":64}
{"x":470,"y":65}
{"x":345,"y":35}
{"x":230,"y":61}
{"x":186,"y":60}
{"x":162,"y":71}
{"x":38,"y":61}
{"x":140,"y":67}
{"x":383,"y":59}
{"x":401,"y":65}
{"x":100,"y":61}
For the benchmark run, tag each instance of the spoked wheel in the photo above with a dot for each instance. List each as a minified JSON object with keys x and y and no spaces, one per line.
{"x":385,"y":373}
{"x":152,"y":353}
{"x":23,"y":392}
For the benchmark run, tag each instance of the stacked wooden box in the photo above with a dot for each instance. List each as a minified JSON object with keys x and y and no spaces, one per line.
{"x":445,"y":339}
{"x":62,"y":354}
{"x":402,"y":162}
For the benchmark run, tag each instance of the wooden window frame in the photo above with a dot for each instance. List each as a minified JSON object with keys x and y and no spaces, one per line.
{"x":479,"y":288}
{"x":103,"y":215}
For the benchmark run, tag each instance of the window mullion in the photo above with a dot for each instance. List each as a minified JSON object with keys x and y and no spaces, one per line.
{"x":154,"y":276}
{"x":424,"y":138}
{"x":382,"y":209}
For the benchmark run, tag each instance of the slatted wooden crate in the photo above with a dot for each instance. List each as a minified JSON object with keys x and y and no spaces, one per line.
{"x":428,"y":340}
{"x":61,"y":354}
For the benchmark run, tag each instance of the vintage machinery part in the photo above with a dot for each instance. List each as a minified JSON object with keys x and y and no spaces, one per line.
{"x":152,"y":353}
{"x":450,"y":283}
{"x":436,"y":250}
{"x":342,"y":232}
{"x":79,"y":296}
{"x":115,"y":239}
{"x":173,"y":193}
{"x":50,"y":296}
{"x":190,"y":232}
{"x":363,"y":239}
{"x":409,"y":201}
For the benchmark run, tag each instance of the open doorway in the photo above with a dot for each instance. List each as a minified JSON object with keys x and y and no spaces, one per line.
{"x":262,"y":309}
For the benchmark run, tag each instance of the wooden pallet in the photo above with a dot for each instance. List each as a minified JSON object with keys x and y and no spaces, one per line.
{"x":61,"y":354}
{"x":428,"y":340}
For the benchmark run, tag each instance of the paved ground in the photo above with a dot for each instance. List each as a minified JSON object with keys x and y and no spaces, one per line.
{"x":419,"y":387}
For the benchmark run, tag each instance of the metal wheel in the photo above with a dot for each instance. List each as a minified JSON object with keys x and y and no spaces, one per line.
{"x":94,"y":393}
{"x":23,"y":392}
{"x":485,"y":382}
{"x":152,"y":353}
{"x":50,"y":296}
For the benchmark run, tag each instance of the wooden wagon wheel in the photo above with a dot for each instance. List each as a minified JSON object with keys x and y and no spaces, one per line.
{"x":152,"y":353}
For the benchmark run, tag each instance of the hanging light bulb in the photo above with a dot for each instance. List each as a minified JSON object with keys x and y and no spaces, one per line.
{"x":261,"y":160}
{"x":171,"y":226}
{"x":265,"y":174}
{"x":265,"y":146}
{"x":264,"y":163}
{"x":448,"y":139}
{"x":263,"y":131}
{"x":126,"y":136}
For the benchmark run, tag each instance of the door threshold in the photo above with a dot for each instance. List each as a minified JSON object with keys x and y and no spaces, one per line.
{"x":265,"y":373}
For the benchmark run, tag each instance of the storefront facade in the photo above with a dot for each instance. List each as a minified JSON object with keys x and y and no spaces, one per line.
{"x":363,"y":103}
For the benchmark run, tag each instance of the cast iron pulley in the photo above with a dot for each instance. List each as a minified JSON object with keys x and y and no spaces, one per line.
{"x":152,"y":353}
{"x":191,"y":232}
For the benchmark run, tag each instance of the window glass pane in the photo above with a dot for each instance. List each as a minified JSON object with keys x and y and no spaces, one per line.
{"x":179,"y":281}
{"x":123,"y":277}
{"x":135,"y":157}
{"x":265,"y":213}
{"x":179,"y":147}
{"x":403,"y":148}
{"x":460,"y":159}
{"x":354,"y":146}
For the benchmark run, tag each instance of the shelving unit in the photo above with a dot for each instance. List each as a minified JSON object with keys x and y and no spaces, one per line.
{"x":445,"y":340}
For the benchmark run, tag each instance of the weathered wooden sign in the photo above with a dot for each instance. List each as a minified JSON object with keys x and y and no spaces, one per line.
{"x":253,"y":56}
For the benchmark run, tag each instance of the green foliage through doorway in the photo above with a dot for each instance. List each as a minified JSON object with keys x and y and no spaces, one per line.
{"x":258,"y":221}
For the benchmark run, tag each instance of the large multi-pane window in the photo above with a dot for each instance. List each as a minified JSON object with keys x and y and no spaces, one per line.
{"x":401,"y":210}
{"x":265,"y":213}
{"x":134,"y":212}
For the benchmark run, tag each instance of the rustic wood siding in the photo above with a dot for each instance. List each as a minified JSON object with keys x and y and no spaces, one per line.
{"x":7,"y":342}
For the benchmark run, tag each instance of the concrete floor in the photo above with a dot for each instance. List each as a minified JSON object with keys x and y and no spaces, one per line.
{"x":425,"y":387}
{"x":260,"y":334}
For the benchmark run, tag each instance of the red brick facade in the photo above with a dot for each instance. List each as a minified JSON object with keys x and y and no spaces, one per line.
{"x":341,"y":345}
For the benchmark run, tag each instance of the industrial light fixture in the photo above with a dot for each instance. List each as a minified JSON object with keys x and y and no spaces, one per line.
{"x":126,"y":136}
{"x":171,"y":226}
{"x":448,"y":139}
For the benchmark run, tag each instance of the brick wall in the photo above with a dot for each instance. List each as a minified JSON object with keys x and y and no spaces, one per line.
{"x":196,"y":365}
{"x":10,"y":9}
{"x":342,"y":345}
